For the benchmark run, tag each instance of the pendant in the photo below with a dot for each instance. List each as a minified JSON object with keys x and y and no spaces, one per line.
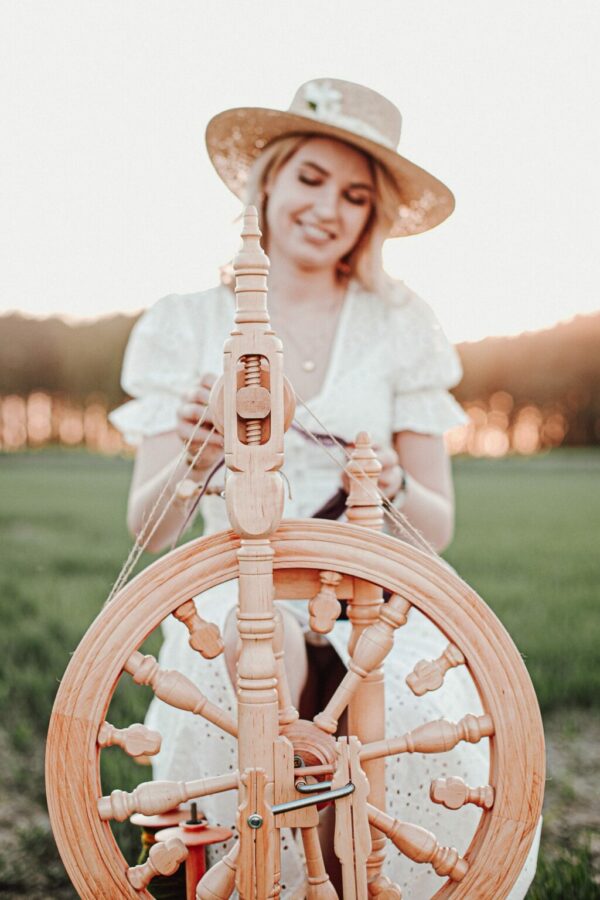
{"x":309,"y":365}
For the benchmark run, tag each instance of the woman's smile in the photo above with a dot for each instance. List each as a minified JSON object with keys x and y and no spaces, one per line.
{"x":319,"y":204}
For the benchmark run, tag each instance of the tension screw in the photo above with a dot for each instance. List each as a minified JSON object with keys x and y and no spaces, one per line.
{"x":255,"y":821}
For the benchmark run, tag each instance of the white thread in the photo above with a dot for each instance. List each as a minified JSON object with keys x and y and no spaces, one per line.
{"x":393,"y":514}
{"x":142,"y":540}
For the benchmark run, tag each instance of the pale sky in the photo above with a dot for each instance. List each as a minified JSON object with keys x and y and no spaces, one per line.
{"x":108,"y":200}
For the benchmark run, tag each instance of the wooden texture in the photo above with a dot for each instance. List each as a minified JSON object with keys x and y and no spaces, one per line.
{"x":136,"y":740}
{"x":284,"y":789}
{"x":453,"y":793}
{"x":504,"y":835}
{"x":319,"y":885}
{"x":163,"y":859}
{"x":287,"y":711}
{"x":219,"y":882}
{"x":155,"y":797}
{"x":324,"y":608}
{"x":420,"y":845}
{"x":205,"y":637}
{"x":432,"y":737}
{"x":428,"y":675}
{"x":177,"y":690}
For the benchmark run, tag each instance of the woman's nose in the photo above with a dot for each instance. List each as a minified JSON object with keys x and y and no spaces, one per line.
{"x":326,"y":205}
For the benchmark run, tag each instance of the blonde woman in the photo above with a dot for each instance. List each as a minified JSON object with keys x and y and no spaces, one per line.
{"x":364,"y":353}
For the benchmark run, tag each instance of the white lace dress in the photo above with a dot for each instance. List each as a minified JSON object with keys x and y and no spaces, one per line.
{"x":389,"y":370}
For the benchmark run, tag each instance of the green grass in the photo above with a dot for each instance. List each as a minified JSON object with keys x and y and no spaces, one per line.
{"x":527,"y":540}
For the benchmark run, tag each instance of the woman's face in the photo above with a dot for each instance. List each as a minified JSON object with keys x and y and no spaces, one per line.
{"x":319,"y":203}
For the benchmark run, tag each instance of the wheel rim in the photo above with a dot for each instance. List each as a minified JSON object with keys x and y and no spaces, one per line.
{"x":505,"y":833}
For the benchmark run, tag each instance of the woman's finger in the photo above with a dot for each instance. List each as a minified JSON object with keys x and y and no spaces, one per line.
{"x":187,"y":431}
{"x":191,"y":412}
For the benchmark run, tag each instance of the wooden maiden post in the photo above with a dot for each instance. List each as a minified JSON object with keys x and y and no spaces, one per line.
{"x":253,"y":424}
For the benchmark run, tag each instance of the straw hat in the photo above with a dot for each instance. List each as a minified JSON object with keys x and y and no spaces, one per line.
{"x":338,"y":109}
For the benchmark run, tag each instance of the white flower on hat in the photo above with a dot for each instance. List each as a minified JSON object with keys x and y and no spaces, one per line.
{"x":322,"y":99}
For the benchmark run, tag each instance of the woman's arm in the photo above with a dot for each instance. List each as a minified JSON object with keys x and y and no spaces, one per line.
{"x":156,"y":464}
{"x":429,"y":499}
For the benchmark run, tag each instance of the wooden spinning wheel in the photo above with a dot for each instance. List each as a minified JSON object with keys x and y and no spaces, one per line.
{"x":279,"y":755}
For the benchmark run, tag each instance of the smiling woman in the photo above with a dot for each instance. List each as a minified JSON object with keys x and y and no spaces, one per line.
{"x":366,"y":352}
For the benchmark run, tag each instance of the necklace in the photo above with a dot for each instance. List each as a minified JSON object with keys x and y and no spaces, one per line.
{"x":321,"y":339}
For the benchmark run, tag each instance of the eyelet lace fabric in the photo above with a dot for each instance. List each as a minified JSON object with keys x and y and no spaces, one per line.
{"x":390,"y":361}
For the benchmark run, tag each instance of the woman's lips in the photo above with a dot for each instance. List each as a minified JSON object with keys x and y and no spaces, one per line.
{"x":314,"y":233}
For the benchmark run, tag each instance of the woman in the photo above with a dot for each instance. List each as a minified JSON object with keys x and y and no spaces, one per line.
{"x":365,"y":353}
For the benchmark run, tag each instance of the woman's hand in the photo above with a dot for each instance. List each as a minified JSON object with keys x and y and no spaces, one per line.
{"x":193,"y":407}
{"x":392,"y":473}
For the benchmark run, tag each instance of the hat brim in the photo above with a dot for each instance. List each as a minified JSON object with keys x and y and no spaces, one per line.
{"x":235,"y":138}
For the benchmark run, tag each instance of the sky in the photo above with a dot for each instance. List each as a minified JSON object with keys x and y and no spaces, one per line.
{"x":108,"y":200}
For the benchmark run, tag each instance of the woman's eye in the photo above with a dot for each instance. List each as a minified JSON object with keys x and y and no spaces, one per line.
{"x":309,"y":179}
{"x":356,"y":199}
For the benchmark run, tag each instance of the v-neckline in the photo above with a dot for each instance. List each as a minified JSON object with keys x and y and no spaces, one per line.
{"x":336,"y":343}
{"x":336,"y":347}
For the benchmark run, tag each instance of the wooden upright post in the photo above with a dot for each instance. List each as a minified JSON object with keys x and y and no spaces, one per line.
{"x":366,"y":710}
{"x":253,"y":423}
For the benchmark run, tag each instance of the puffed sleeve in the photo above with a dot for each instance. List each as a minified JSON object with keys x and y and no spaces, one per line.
{"x":425,"y":370}
{"x":158,"y":367}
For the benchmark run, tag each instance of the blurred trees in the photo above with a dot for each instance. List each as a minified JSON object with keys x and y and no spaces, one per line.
{"x":556,"y":370}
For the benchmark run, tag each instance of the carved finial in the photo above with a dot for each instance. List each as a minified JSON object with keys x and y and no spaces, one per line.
{"x":164,"y":859}
{"x":251,"y":266}
{"x":324,"y":608}
{"x":136,"y":740}
{"x":428,"y":674}
{"x":363,"y":470}
{"x":453,"y":793}
{"x":205,"y":637}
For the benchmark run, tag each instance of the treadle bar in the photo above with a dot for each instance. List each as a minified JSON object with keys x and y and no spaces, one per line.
{"x":312,"y":799}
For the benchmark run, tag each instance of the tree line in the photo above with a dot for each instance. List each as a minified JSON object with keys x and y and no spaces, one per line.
{"x":558,"y":368}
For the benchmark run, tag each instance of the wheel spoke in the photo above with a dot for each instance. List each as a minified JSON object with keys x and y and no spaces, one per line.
{"x":324,"y":609}
{"x":454,"y":793}
{"x":433,"y":737}
{"x":164,"y":858}
{"x":428,"y":674}
{"x":419,"y":844}
{"x":175,"y":689}
{"x":219,"y":882}
{"x":155,"y":797}
{"x":372,"y":647}
{"x":136,"y":740}
{"x":287,"y":711}
{"x":319,"y":885}
{"x":205,"y":637}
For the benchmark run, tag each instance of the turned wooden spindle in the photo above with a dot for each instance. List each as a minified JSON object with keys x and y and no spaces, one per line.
{"x":324,"y":609}
{"x":135,"y":740}
{"x":453,"y":793}
{"x":319,"y":886}
{"x":420,"y":845}
{"x":155,"y":797}
{"x":205,"y":637}
{"x":433,"y":737}
{"x":175,"y":689}
{"x":287,"y":711}
{"x":219,"y":882}
{"x":163,"y":859}
{"x":384,"y":889}
{"x":372,"y":647}
{"x":366,"y":708}
{"x":253,"y":432}
{"x":428,"y":674}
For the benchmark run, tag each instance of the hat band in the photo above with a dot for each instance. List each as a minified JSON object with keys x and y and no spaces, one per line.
{"x":347,"y":123}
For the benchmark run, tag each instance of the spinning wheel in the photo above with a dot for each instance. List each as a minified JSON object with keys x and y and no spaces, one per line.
{"x":286,"y":765}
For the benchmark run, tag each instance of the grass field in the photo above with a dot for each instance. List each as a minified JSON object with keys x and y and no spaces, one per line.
{"x":527,"y":540}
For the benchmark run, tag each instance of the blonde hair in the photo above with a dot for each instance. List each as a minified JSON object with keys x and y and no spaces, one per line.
{"x":364,"y":261}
